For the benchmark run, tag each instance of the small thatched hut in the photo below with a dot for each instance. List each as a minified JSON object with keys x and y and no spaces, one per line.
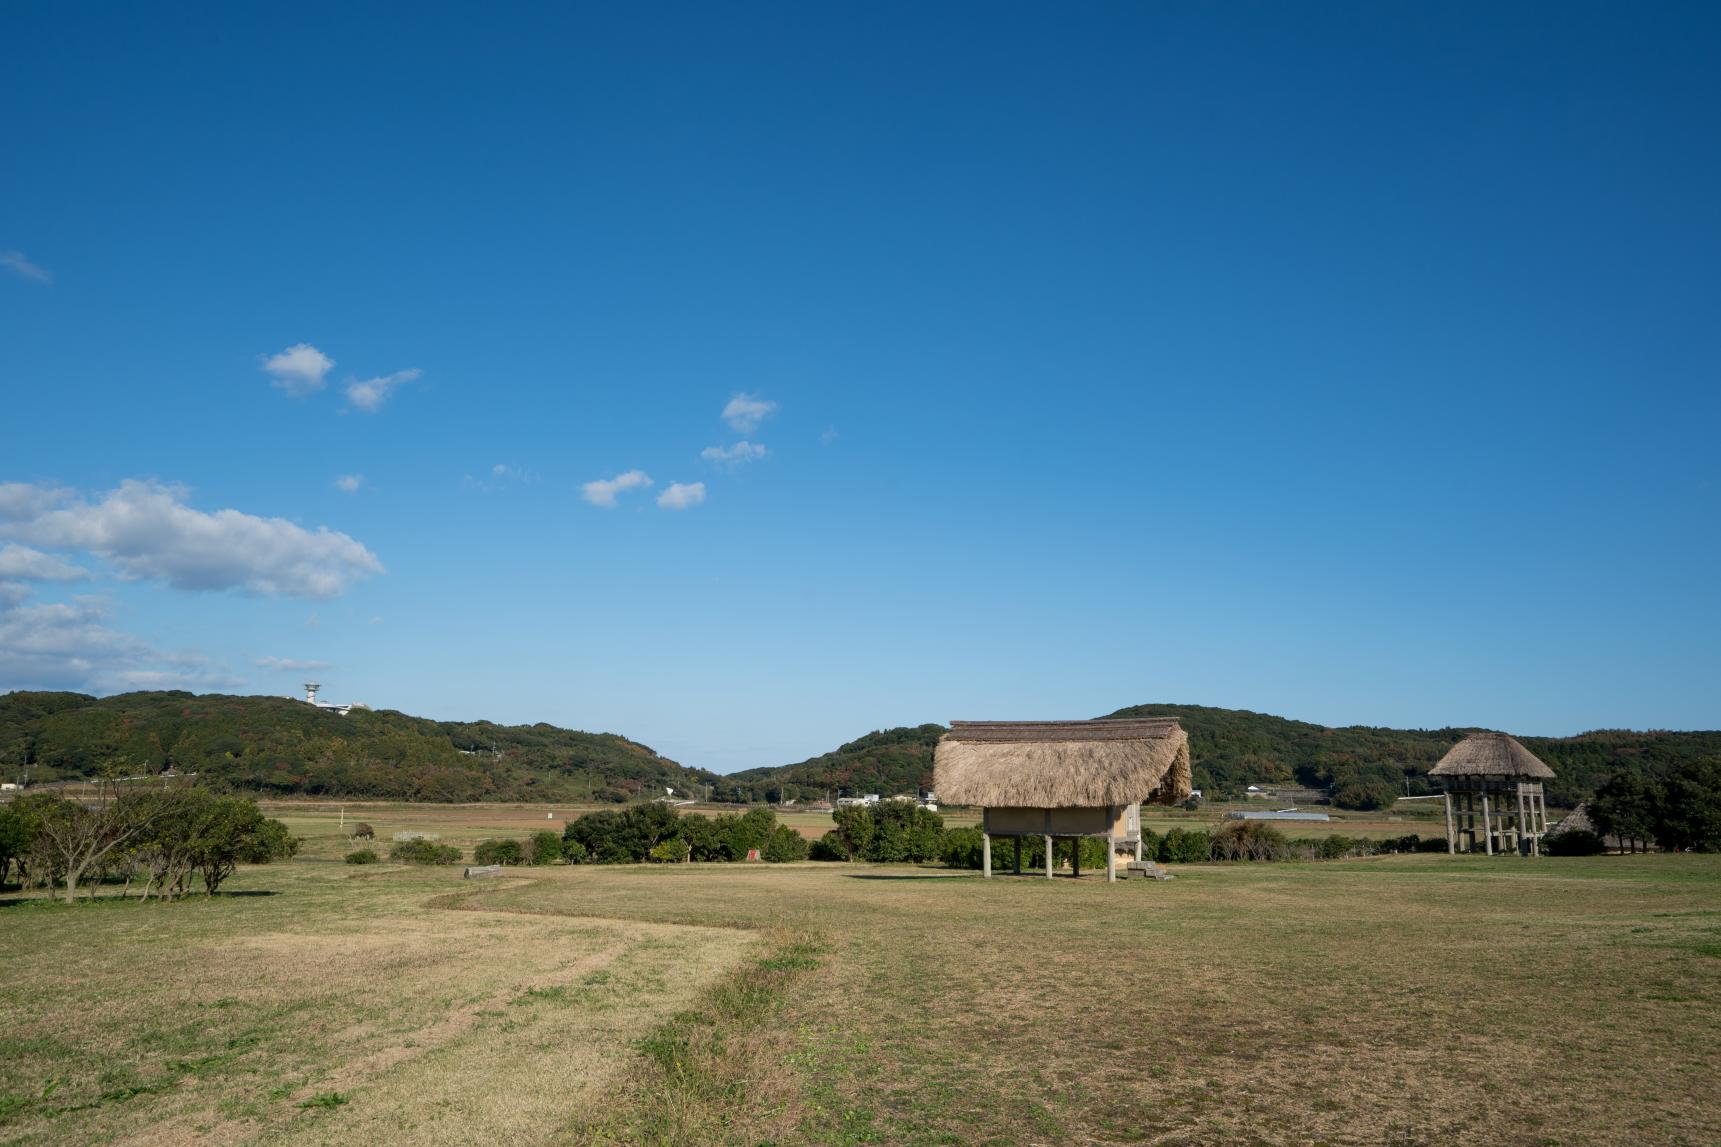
{"x":1063,"y":779}
{"x":1507,"y":779}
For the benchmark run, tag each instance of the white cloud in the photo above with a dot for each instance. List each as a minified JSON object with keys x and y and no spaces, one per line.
{"x":144,"y":529}
{"x":829,"y":436}
{"x":733,"y":456}
{"x":33,"y":565}
{"x":682,"y":497}
{"x":69,"y":645}
{"x":603,"y":491}
{"x":746,"y":411}
{"x":350,"y":483}
{"x":15,"y":262}
{"x":291,"y":664}
{"x":368,"y":394}
{"x":299,"y":370}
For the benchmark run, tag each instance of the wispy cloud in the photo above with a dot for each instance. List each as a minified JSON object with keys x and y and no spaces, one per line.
{"x":15,"y":262}
{"x":603,"y":491}
{"x":829,"y":436}
{"x":368,"y":394}
{"x":746,"y":411}
{"x":679,"y":496}
{"x":26,"y":564}
{"x":299,"y":370}
{"x":350,"y":483}
{"x":144,"y":529}
{"x":291,"y":664}
{"x":70,"y":645}
{"x":734,"y":456}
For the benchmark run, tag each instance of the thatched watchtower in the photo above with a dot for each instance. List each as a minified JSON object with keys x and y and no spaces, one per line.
{"x":1506,"y":779}
{"x":1069,"y":779}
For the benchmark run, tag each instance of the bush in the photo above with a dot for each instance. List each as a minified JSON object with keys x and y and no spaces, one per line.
{"x":424,"y":852}
{"x":1250,"y":840}
{"x":1432,"y":844}
{"x":574,"y":852}
{"x":544,"y":847}
{"x":363,"y":831}
{"x":830,"y":847}
{"x":963,"y":848}
{"x":499,"y":852}
{"x":1574,"y":842}
{"x":784,"y":845}
{"x":1185,"y":846}
{"x":363,"y":856}
{"x":671,"y":851}
{"x":626,"y":837}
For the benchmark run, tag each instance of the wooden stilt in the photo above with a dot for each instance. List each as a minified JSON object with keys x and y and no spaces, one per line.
{"x":1487,"y":825}
{"x":986,"y":855}
{"x":1018,"y":856}
{"x":1451,"y":827}
{"x":1076,"y":856}
{"x":1111,"y":860}
{"x":1048,"y":857}
{"x":1138,"y":848}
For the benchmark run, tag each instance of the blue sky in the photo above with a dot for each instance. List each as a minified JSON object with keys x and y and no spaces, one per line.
{"x":1358,"y":363}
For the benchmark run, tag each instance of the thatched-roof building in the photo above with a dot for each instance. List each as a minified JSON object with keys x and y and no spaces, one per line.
{"x":1056,"y":779}
{"x":1506,"y":778}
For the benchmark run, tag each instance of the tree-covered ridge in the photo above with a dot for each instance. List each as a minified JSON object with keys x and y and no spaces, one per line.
{"x":886,"y":762}
{"x":281,"y":746}
{"x":1234,"y":748}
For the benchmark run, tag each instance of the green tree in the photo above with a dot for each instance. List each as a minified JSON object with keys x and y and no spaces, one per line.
{"x":1627,"y":807}
{"x":1690,"y":808}
{"x":855,"y":830}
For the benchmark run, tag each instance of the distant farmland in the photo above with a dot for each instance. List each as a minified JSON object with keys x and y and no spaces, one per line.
{"x":1407,"y":999}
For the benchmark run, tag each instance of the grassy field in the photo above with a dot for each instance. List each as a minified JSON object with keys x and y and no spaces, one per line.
{"x":1410,"y":999}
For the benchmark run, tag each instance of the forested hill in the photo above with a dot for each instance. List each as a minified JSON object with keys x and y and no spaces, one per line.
{"x":1233,"y":748}
{"x":281,"y":746}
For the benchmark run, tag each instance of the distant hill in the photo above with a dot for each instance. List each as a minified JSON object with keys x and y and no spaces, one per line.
{"x":280,"y":746}
{"x":275,"y":745}
{"x":1234,"y":748}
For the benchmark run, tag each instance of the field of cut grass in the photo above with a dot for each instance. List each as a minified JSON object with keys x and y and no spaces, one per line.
{"x":1411,"y":999}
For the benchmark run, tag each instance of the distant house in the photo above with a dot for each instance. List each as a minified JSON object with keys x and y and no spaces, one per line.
{"x":1256,"y":793}
{"x":1280,"y":814}
{"x":850,"y":802}
{"x":7,"y":787}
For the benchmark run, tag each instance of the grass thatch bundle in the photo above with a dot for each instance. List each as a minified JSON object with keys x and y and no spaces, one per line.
{"x":1062,"y":764}
{"x":1491,"y":755}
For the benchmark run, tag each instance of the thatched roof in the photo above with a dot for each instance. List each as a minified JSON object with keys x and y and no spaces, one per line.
{"x":1490,"y":754}
{"x":1062,"y":764}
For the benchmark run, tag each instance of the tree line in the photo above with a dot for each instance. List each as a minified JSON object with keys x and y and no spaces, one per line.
{"x":1679,"y":811}
{"x":164,"y":838}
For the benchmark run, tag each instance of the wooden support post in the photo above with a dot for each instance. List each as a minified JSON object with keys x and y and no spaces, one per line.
{"x":1076,"y":856}
{"x":1487,"y":824}
{"x":1138,"y":846}
{"x":1018,"y":855}
{"x":986,"y":854}
{"x":1111,"y":859}
{"x":1520,"y":839}
{"x":1451,"y":828}
{"x":1048,"y":857}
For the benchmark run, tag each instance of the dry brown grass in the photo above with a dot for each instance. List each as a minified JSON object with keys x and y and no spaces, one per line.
{"x":1416,"y":999}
